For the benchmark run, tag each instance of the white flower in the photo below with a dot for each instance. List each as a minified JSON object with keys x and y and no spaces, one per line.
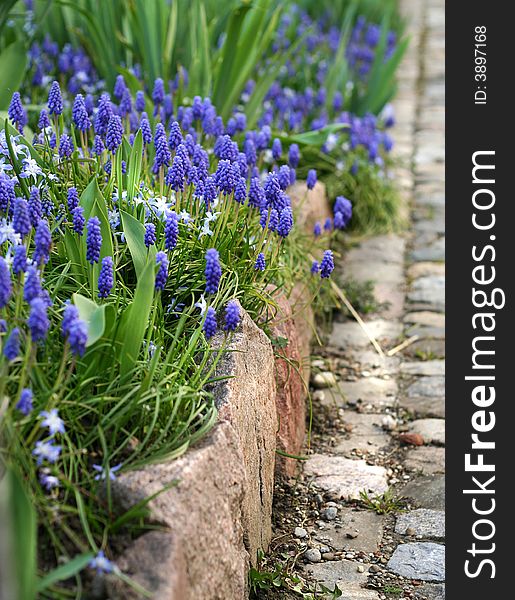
{"x":331,"y":141}
{"x":205,"y":230}
{"x":7,"y":233}
{"x":31,"y":168}
{"x":268,"y":157}
{"x":201,"y":304}
{"x":340,"y":165}
{"x":185,"y":216}
{"x":4,"y":166}
{"x":211,"y":216}
{"x":52,"y":177}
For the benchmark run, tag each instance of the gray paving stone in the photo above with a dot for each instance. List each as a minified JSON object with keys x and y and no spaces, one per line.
{"x":423,"y":367}
{"x":426,"y":318}
{"x":432,"y":225}
{"x":425,"y":522}
{"x":426,"y":459}
{"x":370,"y":392}
{"x":351,"y":334}
{"x":426,"y":347}
{"x":422,"y":560}
{"x":422,"y":269}
{"x":435,"y":251}
{"x":366,"y":434}
{"x":424,"y":406}
{"x":432,"y":430}
{"x":345,"y":575}
{"x":427,"y":491}
{"x":377,"y":271}
{"x":387,"y":248}
{"x":431,"y":591}
{"x":423,"y":332}
{"x":378,"y":365}
{"x":427,"y":386}
{"x":429,"y":290}
{"x":344,"y":478}
{"x":365,"y":529}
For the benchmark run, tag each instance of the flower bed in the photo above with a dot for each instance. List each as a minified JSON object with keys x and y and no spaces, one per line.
{"x":146,"y":227}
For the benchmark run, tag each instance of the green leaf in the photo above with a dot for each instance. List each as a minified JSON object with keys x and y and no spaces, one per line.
{"x":135,"y":235}
{"x":93,"y":314}
{"x":134,"y":166}
{"x":13,"y":63}
{"x":135,"y":319}
{"x":19,"y":516}
{"x":71,"y":568}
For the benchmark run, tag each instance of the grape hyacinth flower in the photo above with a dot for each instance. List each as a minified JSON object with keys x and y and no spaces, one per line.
{"x":327,"y":265}
{"x":52,"y":421}
{"x":162,"y":272}
{"x":78,"y":220}
{"x":38,"y":320}
{"x":225,"y":178}
{"x":44,"y":120}
{"x":106,"y":277}
{"x":344,"y":207}
{"x":139,"y":104}
{"x":163,"y":154}
{"x":46,"y":451}
{"x":213,"y":271}
{"x":98,"y":145}
{"x":232,"y":316}
{"x":102,"y":564}
{"x":285,"y":222}
{"x":21,"y":217}
{"x":315,"y":267}
{"x":35,"y":207}
{"x":311,"y":179}
{"x":210,"y":324}
{"x":106,"y":473}
{"x":176,"y":174}
{"x":119,"y":87}
{"x":16,"y":112}
{"x":55,"y":99}
{"x":43,"y":242}
{"x":7,"y":195}
{"x":74,"y":329}
{"x":49,"y":482}
{"x":150,"y":234}
{"x":65,"y":146}
{"x":20,"y":259}
{"x":317,"y":229}
{"x":294,"y":156}
{"x":80,"y":114}
{"x":158,"y":93}
{"x":93,"y":240}
{"x":114,"y":133}
{"x":284,"y":177}
{"x":256,"y":194}
{"x":260,"y":263}
{"x":72,"y":199}
{"x":12,"y":345}
{"x":125,"y":103}
{"x":104,"y":113}
{"x":146,"y":131}
{"x":24,"y":404}
{"x":328,"y":224}
{"x":32,"y":286}
{"x":175,"y":138}
{"x":6,"y":288}
{"x":277,"y":149}
{"x":240,"y":191}
{"x":171,"y":230}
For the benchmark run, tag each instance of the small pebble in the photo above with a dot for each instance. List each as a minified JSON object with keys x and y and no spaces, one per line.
{"x":300,"y":532}
{"x":324,"y":380}
{"x":318,"y":396}
{"x":410,"y":531}
{"x":329,"y":513}
{"x":313,"y":555}
{"x":389,"y":423}
{"x":361,"y":569}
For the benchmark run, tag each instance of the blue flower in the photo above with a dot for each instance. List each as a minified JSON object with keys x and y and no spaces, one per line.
{"x":162,"y":272}
{"x":213,"y":271}
{"x":158,"y":93}
{"x":7,"y":195}
{"x":74,"y":329}
{"x":256,"y":193}
{"x":311,"y":179}
{"x":65,"y":146}
{"x":284,"y":176}
{"x":106,"y":473}
{"x":6,"y":287}
{"x":175,"y":138}
{"x":328,"y":224}
{"x":93,"y":240}
{"x":163,"y":154}
{"x":344,"y":208}
{"x":140,"y":101}
{"x":315,"y":267}
{"x":24,"y":404}
{"x":52,"y":421}
{"x":46,"y":451}
{"x":294,"y":156}
{"x":176,"y":174}
{"x":210,"y":324}
{"x":232,"y":315}
{"x":72,"y":199}
{"x":119,"y":87}
{"x":21,"y":217}
{"x":150,"y":234}
{"x":225,"y":177}
{"x":55,"y":99}
{"x":32,"y":286}
{"x":327,"y":265}
{"x":114,"y":133}
{"x":277,"y":149}
{"x":240,"y":192}
{"x":49,"y":482}
{"x":44,"y":120}
{"x":171,"y":230}
{"x":20,"y":259}
{"x":104,"y":113}
{"x":12,"y":345}
{"x":260,"y":263}
{"x":285,"y":222}
{"x":35,"y":207}
{"x":43,"y":242}
{"x":146,"y":131}
{"x":102,"y":564}
{"x":78,"y":220}
{"x":317,"y":229}
{"x":38,"y":320}
{"x":98,"y":145}
{"x":106,"y":277}
{"x":16,"y":112}
{"x":80,"y":114}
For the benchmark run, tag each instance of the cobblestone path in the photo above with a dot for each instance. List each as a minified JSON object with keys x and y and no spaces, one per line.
{"x":388,"y":430}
